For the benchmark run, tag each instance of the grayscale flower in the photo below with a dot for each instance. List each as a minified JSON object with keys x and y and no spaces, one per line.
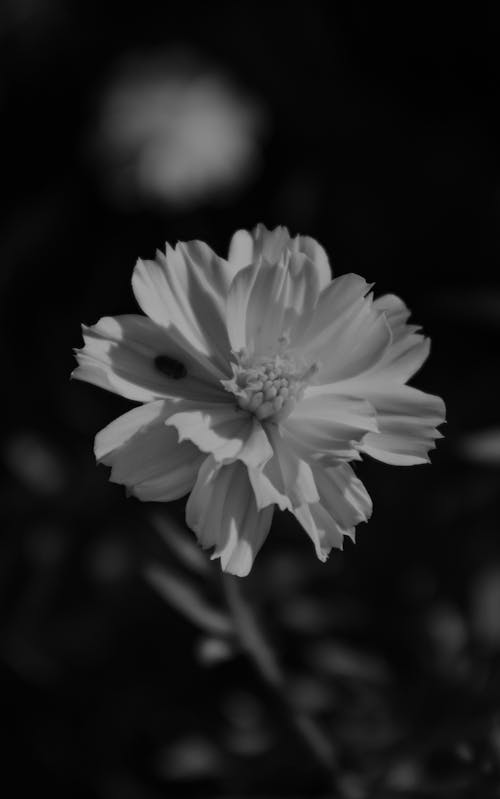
{"x":260,"y":379}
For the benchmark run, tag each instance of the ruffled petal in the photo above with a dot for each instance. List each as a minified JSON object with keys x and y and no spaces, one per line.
{"x":343,"y":495}
{"x":268,"y":488}
{"x":322,"y":529}
{"x":253,"y":292}
{"x":224,"y":431}
{"x":146,"y":456}
{"x":185,"y":291}
{"x":120,"y":355}
{"x":246,"y":248}
{"x":302,"y":293}
{"x":409,"y":349}
{"x":317,"y":255}
{"x":340,"y":300}
{"x":270,"y":244}
{"x":330,"y":425}
{"x":315,"y":441}
{"x":286,"y":479}
{"x":222,"y":512}
{"x":268,"y":301}
{"x":343,"y":503}
{"x":407,"y":420}
{"x":347,"y":334}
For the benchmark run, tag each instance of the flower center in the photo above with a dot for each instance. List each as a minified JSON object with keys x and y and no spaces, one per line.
{"x":268,"y":387}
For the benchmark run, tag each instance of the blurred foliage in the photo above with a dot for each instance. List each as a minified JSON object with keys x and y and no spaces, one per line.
{"x":382,"y":140}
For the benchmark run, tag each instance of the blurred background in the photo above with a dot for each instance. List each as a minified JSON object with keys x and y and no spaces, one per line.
{"x":377,"y":132}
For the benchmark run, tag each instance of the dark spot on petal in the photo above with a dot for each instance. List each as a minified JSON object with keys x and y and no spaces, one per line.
{"x":170,"y":367}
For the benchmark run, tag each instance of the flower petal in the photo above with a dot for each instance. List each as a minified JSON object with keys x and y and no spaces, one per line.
{"x":408,"y":350}
{"x":316,"y":442}
{"x":261,"y":244}
{"x":185,"y":291}
{"x":286,"y":479}
{"x":224,"y":431}
{"x":338,"y":301}
{"x":343,"y":495}
{"x":333,"y":424}
{"x":302,"y":293}
{"x":254,"y":291}
{"x":223,"y":513}
{"x":407,"y":420}
{"x":119,"y":355}
{"x":246,"y":248}
{"x":343,"y":503}
{"x":270,"y":244}
{"x":347,"y":335}
{"x":146,"y":456}
{"x":267,"y":301}
{"x":317,"y":255}
{"x":241,"y":250}
{"x":322,"y":529}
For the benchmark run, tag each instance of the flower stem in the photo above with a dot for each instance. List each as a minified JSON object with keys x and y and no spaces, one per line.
{"x":260,"y":653}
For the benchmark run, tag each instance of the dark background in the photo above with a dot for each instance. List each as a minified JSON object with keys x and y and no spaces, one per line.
{"x":378,"y":133}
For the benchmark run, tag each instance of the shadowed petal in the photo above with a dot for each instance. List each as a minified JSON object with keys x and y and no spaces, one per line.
{"x":343,"y":495}
{"x":322,"y":529}
{"x":146,"y":456}
{"x":343,"y":503}
{"x":286,"y":478}
{"x":330,"y":424}
{"x":226,"y":432}
{"x":185,"y":291}
{"x":119,"y":355}
{"x":223,"y":513}
{"x":314,"y":442}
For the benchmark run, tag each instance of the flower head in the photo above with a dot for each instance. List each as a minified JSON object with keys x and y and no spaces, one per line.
{"x":175,"y":131}
{"x":260,"y":378}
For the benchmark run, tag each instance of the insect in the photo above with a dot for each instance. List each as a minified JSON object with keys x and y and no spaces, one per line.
{"x":170,"y":367}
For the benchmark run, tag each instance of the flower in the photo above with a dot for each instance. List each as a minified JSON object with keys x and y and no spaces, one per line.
{"x":175,"y":130}
{"x":260,"y":379}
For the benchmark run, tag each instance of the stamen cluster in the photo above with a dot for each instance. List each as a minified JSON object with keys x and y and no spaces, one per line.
{"x":268,"y":387}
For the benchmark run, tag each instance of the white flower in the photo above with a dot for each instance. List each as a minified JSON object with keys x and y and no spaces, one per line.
{"x":260,"y":378}
{"x":176,"y":131}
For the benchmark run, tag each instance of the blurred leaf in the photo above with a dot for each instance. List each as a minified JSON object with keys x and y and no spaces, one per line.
{"x":190,"y":758}
{"x":248,"y":734}
{"x":405,"y":775}
{"x":185,"y":598}
{"x":211,"y":651}
{"x":343,"y":661}
{"x":309,"y":694}
{"x":33,"y":461}
{"x":352,"y":786}
{"x":447,"y":631}
{"x":305,"y":615}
